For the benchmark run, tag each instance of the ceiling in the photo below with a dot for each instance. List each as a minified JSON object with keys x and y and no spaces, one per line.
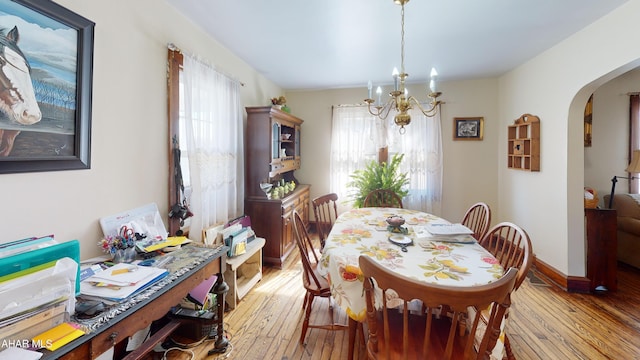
{"x":325,"y":44}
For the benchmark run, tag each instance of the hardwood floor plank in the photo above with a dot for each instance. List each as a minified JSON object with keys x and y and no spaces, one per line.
{"x":545,"y":322}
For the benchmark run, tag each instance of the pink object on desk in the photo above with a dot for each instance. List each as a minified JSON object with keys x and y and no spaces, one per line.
{"x":200,"y":292}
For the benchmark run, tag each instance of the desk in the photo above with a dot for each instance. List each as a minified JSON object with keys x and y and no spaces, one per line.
{"x":364,"y":232}
{"x":142,"y":313}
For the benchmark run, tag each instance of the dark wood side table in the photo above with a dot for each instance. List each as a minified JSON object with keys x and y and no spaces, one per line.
{"x":140,"y":315}
{"x":602,"y":244}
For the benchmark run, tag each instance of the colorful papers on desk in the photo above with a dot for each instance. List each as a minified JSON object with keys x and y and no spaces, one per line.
{"x":170,"y":241}
{"x":115,"y":285}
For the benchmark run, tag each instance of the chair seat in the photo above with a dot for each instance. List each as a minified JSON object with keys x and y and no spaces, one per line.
{"x":321,"y":288}
{"x":440,"y":328}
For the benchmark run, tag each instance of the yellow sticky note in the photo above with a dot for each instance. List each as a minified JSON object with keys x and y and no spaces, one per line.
{"x":119,"y":271}
{"x":171,"y":241}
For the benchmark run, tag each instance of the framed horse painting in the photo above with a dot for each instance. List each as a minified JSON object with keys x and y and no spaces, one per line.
{"x":46,"y":61}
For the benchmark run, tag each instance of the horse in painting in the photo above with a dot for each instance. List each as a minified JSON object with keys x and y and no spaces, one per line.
{"x":17,"y":97}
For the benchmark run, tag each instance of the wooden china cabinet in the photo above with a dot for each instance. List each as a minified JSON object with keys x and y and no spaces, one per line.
{"x":272,"y":154}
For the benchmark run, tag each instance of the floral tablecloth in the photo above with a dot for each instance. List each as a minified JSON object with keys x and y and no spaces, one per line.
{"x":364,"y":232}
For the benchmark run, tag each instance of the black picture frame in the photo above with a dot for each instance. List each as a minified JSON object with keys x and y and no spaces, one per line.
{"x":71,"y":149}
{"x":468,"y":128}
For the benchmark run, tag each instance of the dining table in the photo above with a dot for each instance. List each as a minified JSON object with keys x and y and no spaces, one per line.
{"x":410,"y":250}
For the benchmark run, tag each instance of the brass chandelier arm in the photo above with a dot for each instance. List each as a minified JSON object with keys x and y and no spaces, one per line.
{"x":380,"y":111}
{"x":433,"y":105}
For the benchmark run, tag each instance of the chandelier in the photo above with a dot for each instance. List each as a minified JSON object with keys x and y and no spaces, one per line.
{"x":400,"y":99}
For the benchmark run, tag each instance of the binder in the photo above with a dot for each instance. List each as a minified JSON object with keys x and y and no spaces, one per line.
{"x":237,"y":242}
{"x":32,"y":259}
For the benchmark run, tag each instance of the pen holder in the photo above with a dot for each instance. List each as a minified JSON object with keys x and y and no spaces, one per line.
{"x":124,"y":255}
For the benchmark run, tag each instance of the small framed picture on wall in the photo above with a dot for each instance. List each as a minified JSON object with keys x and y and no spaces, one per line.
{"x":468,"y":128}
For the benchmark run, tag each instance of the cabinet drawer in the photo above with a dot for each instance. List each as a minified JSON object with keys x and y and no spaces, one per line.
{"x":288,"y":207}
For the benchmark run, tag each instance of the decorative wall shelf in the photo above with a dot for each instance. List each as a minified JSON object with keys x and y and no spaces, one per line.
{"x":524,"y":143}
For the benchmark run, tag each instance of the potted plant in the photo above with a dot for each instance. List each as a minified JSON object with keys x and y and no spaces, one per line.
{"x":377,"y":175}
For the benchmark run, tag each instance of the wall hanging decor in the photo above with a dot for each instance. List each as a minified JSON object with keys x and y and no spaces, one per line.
{"x":524,"y":143}
{"x":45,"y":121}
{"x":588,"y":120}
{"x":468,"y":128}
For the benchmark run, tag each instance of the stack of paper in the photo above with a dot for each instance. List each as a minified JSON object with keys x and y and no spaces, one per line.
{"x":49,"y":285}
{"x":120,"y":281}
{"x":448,"y":229}
{"x":445,"y":232}
{"x":29,"y":324}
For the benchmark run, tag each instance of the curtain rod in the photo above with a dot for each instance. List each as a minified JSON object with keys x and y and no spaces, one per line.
{"x":633,"y":93}
{"x":173,"y":47}
{"x":350,"y":105}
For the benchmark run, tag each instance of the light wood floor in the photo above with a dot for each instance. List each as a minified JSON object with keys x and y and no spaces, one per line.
{"x":545,"y":322}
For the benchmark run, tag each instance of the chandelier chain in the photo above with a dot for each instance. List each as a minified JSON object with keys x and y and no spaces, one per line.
{"x":402,"y":40}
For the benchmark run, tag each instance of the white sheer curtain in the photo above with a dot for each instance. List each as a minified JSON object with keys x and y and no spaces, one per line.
{"x":422,"y":146}
{"x":356,"y":137}
{"x":354,"y":142}
{"x":213,"y":132}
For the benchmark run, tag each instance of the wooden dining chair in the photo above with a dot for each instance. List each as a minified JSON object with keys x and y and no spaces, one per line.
{"x":382,"y":198}
{"x":511,"y":246}
{"x":314,"y":283}
{"x":478,"y":218}
{"x":395,"y":333}
{"x":325,"y":210}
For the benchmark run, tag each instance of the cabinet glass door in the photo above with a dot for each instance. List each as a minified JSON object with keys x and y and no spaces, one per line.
{"x":275,"y":140}
{"x":297,"y":142}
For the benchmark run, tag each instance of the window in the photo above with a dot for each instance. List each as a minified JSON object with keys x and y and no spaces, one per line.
{"x":206,"y":117}
{"x":357,"y":136}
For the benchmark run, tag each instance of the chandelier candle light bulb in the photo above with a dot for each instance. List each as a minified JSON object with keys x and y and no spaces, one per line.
{"x":395,"y":74}
{"x":432,"y":82}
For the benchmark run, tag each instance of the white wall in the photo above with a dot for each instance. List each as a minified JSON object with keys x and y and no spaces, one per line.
{"x":470,"y":167}
{"x":130,"y":146}
{"x":555,"y":86}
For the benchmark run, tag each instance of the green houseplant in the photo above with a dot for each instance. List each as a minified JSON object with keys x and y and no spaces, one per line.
{"x":377,"y":175}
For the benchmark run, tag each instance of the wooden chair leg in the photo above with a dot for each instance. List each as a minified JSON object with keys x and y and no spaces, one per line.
{"x":507,"y":348}
{"x":306,"y":300}
{"x":307,"y":315}
{"x":353,"y":327}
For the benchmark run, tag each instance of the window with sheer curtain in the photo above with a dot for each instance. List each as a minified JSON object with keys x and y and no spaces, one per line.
{"x":357,"y":136}
{"x":210,"y":138}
